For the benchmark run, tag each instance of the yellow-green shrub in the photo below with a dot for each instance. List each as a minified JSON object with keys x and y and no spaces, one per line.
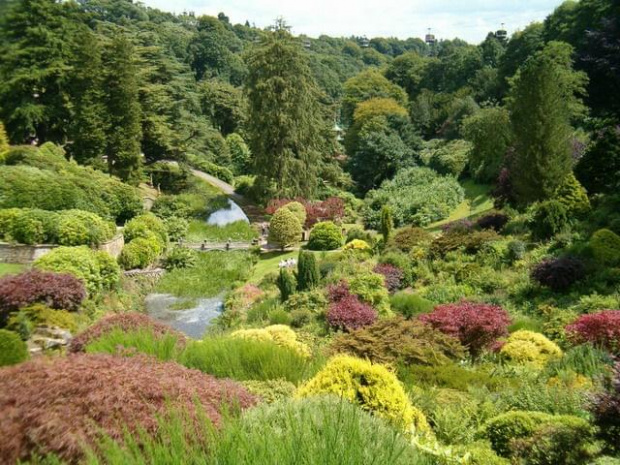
{"x":356,"y":244}
{"x":372,"y":386}
{"x":272,"y":390}
{"x":529,"y":347}
{"x":41,"y":315}
{"x":281,"y":335}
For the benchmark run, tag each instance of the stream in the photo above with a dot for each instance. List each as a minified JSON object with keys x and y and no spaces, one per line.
{"x":194,"y":321}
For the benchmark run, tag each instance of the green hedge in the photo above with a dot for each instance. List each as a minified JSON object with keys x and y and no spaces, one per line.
{"x":67,"y":227}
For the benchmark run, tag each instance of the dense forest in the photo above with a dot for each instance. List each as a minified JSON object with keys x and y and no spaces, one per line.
{"x":221,"y":244}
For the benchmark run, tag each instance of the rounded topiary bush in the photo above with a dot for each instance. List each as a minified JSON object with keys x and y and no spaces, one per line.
{"x":559,"y":274}
{"x":601,"y":329}
{"x":369,"y":385}
{"x":284,"y":228}
{"x":145,"y":226}
{"x":12,"y":349}
{"x":140,"y":253}
{"x":548,"y":219}
{"x":297,"y":209}
{"x":66,"y":404}
{"x":325,"y":236}
{"x":127,"y":322}
{"x":476,"y":325}
{"x":357,"y":244}
{"x":530,"y":348}
{"x":605,"y":245}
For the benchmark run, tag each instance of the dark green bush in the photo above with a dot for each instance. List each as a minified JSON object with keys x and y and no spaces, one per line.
{"x":325,"y":236}
{"x":548,"y":219}
{"x":605,"y":245}
{"x":171,"y":178}
{"x":140,"y":253}
{"x":407,"y":238}
{"x":12,"y":349}
{"x":145,"y":226}
{"x":35,"y":227}
{"x":470,"y":242}
{"x":409,"y":304}
{"x":77,"y":227}
{"x":307,"y":271}
{"x":179,"y":257}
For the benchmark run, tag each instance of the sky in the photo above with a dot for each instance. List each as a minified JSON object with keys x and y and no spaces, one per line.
{"x":470,"y":20}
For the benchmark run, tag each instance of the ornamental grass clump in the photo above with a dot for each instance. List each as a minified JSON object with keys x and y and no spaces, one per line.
{"x":601,"y":329}
{"x":398,"y":340}
{"x":60,"y":406}
{"x":528,"y":347}
{"x":476,"y":325}
{"x":346,"y":311}
{"x":372,"y":386}
{"x":127,"y":323}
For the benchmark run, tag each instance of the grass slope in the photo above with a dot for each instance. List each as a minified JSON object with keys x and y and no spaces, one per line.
{"x":477,"y":201}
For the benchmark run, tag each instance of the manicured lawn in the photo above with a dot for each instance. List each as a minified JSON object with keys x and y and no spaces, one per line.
{"x":213,"y":273}
{"x":477,"y":201}
{"x":10,"y":268}
{"x":237,"y":231}
{"x":268,"y":263}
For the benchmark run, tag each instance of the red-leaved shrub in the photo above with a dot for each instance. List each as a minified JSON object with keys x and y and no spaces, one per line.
{"x":559,"y":273}
{"x":476,"y":325}
{"x":393,"y":276}
{"x":55,"y":290}
{"x":127,"y":322}
{"x":601,"y":329}
{"x":330,"y":209}
{"x":346,"y":311}
{"x":57,"y":406}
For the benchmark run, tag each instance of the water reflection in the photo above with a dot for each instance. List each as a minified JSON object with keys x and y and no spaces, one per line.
{"x":228,"y":215}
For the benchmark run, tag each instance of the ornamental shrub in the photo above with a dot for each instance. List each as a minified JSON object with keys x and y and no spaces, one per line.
{"x":605,"y":245}
{"x":4,"y":140}
{"x":357,"y":244}
{"x":176,"y":227}
{"x":314,"y":301}
{"x":398,"y":340}
{"x":325,"y":236}
{"x":373,"y":387}
{"x":97,"y":270}
{"x":179,"y":257}
{"x":272,"y":390}
{"x":346,"y":312}
{"x":559,"y":274}
{"x":140,"y":253}
{"x":308,"y":275}
{"x":406,"y":239}
{"x":393,"y":276}
{"x":284,"y":228}
{"x":33,"y":226}
{"x":330,"y":209}
{"x":55,"y":290}
{"x":298,"y":210}
{"x":493,"y":220}
{"x":601,"y":329}
{"x":145,"y":226}
{"x":548,"y":219}
{"x":540,"y":438}
{"x":127,"y":322}
{"x":528,"y":347}
{"x":387,"y":223}
{"x":370,"y":288}
{"x":280,"y":335}
{"x":606,"y":411}
{"x":77,"y":227}
{"x":470,"y":242}
{"x":64,"y":404}
{"x":286,"y":284}
{"x":357,"y":233}
{"x":41,"y":315}
{"x":409,"y":304}
{"x":476,"y":325}
{"x":573,"y":196}
{"x":12,"y":350}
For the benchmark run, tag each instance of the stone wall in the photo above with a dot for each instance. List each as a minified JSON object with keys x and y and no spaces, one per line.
{"x":26,"y":254}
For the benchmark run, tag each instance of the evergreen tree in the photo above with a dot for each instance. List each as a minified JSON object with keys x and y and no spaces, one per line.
{"x":599,"y":169}
{"x":285,"y":118}
{"x":286,"y":284}
{"x":4,"y":139}
{"x":123,"y":108}
{"x":87,"y":129}
{"x":34,"y":52}
{"x":387,"y":223}
{"x":308,"y":275}
{"x":543,"y":100}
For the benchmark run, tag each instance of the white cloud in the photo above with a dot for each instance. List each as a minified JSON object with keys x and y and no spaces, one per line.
{"x":470,"y":20}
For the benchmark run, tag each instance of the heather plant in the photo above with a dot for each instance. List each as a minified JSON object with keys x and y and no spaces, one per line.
{"x":97,"y":270}
{"x":475,"y":325}
{"x":601,"y":329}
{"x":246,"y":359}
{"x":357,"y":245}
{"x":89,"y":395}
{"x":559,"y":274}
{"x":124,"y":323}
{"x":528,"y":347}
{"x":393,"y":276}
{"x":12,"y":349}
{"x":372,"y":386}
{"x":325,"y":236}
{"x":346,"y":312}
{"x":396,"y":340}
{"x":56,"y":290}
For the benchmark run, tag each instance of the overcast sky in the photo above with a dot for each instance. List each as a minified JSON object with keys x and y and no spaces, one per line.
{"x":470,"y":19}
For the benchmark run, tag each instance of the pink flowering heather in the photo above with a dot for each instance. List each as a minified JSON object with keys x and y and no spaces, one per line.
{"x":476,"y":325}
{"x":601,"y":329}
{"x":346,"y":311}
